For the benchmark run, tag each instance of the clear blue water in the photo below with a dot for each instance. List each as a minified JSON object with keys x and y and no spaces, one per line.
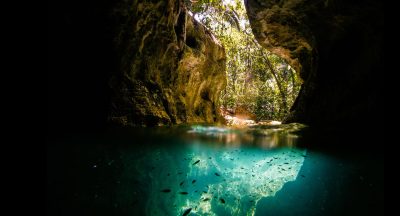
{"x":209,"y":170}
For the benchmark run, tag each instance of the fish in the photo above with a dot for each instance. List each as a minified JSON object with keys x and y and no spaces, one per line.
{"x":204,"y":191}
{"x":184,"y":193}
{"x":217,"y":174}
{"x":187,"y":211}
{"x":303,"y":176}
{"x":166,"y":190}
{"x":180,"y":184}
{"x":206,"y":199}
{"x":222,"y":200}
{"x":196,"y":162}
{"x":194,"y":181}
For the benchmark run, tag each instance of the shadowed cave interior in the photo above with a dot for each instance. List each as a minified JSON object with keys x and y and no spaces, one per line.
{"x":135,"y":125}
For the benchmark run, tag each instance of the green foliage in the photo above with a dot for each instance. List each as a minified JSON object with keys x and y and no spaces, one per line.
{"x":267,"y":92}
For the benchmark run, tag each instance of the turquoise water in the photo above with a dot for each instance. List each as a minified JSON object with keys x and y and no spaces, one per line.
{"x":206,"y":170}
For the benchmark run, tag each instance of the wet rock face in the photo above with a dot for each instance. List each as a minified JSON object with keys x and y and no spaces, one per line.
{"x":171,"y":69}
{"x":336,"y":48}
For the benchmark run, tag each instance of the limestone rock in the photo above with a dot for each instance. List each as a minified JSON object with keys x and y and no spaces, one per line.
{"x":171,"y":68}
{"x":335,"y":46}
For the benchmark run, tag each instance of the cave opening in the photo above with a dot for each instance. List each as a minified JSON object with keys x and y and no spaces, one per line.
{"x":261,"y":86}
{"x":161,"y":149}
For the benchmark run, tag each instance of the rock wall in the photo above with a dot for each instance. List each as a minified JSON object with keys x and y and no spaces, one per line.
{"x":336,"y":47}
{"x":171,"y":69}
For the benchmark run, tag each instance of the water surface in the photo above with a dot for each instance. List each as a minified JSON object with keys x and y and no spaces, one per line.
{"x":206,"y":170}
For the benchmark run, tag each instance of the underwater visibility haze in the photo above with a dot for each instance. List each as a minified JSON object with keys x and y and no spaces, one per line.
{"x":203,"y":170}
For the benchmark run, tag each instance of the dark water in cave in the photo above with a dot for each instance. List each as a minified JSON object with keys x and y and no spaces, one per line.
{"x":263,"y":170}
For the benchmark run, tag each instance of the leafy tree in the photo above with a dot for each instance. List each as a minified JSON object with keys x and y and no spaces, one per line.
{"x":258,"y":81}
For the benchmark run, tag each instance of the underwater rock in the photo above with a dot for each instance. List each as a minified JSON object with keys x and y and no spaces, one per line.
{"x":218,"y":181}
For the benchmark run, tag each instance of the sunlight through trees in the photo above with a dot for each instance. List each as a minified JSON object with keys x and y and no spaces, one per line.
{"x":260,"y":85}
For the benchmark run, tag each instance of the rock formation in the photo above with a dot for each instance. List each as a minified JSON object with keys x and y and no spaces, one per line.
{"x":171,"y":69}
{"x":335,"y":46}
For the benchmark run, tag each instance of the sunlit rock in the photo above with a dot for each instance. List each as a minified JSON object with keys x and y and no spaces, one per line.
{"x":171,"y":68}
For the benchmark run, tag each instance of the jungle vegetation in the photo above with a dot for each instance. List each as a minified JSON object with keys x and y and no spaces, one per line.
{"x":259,"y":83}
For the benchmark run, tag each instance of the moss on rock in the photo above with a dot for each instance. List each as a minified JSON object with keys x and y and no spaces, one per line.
{"x":171,"y":68}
